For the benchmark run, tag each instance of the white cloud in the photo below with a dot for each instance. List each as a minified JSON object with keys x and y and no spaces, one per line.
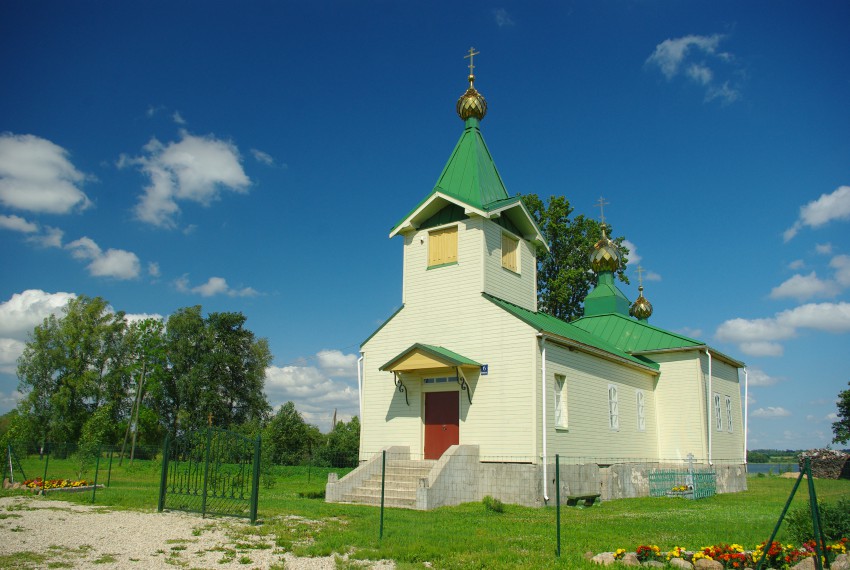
{"x":828,"y":207}
{"x":823,"y":248}
{"x":796,"y":265}
{"x":194,"y":168}
{"x":23,"y":311}
{"x":135,"y":317}
{"x":334,"y":363}
{"x":634,"y":257}
{"x":17,"y":224}
{"x":503,"y":19}
{"x":10,"y":350}
{"x":841,"y":265}
{"x":690,"y":56}
{"x":213,"y":286}
{"x":178,"y":118}
{"x":804,"y":287}
{"x":651,"y":276}
{"x":262,"y":157}
{"x":153,"y":269}
{"x":831,"y":417}
{"x":314,"y":391}
{"x":116,"y":263}
{"x":758,"y":377}
{"x":36,"y":175}
{"x":757,"y":337}
{"x":689,"y":332}
{"x":50,"y":237}
{"x":770,"y":412}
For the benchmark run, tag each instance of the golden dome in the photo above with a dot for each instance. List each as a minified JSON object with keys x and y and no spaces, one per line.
{"x":641,"y":309}
{"x":471,"y":103}
{"x":605,"y":255}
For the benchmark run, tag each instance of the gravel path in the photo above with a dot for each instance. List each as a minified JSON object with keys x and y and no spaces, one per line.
{"x":43,"y":533}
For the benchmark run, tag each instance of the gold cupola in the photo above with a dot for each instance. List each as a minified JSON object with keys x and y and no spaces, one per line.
{"x":605,"y":255}
{"x":472,"y":103}
{"x":641,"y":309}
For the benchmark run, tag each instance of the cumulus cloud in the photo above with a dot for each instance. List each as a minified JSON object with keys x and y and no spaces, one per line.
{"x":262,"y":157}
{"x":153,"y":269}
{"x":195,"y":169}
{"x":770,"y":412}
{"x":17,"y":224}
{"x":503,"y":19}
{"x":48,"y":237}
{"x":823,"y":248}
{"x":317,"y":391}
{"x":804,"y":287}
{"x":689,"y":332}
{"x":796,"y":265}
{"x":758,"y":377}
{"x":116,"y":263}
{"x":178,"y":118}
{"x":759,"y":337}
{"x":634,"y":257}
{"x":841,"y":265}
{"x":36,"y":175}
{"x":693,"y":57}
{"x":817,"y":213}
{"x":213,"y":286}
{"x":19,"y":316}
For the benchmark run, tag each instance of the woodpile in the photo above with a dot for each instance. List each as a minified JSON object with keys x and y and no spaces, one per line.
{"x":827,"y":463}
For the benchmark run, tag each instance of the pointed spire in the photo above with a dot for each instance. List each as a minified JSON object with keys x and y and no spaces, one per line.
{"x":605,"y":260}
{"x":471,"y":104}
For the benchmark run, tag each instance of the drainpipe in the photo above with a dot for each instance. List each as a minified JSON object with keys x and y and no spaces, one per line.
{"x":543,"y":425}
{"x":746,"y":409}
{"x":710,"y":405}
{"x":360,"y":385}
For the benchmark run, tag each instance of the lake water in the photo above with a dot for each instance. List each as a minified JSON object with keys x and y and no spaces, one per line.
{"x":775,"y":468}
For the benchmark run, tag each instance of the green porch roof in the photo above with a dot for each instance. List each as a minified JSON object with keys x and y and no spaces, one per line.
{"x":449,"y":357}
{"x":552,"y":325}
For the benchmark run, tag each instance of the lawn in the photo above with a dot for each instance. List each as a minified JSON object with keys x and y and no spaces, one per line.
{"x":471,"y":536}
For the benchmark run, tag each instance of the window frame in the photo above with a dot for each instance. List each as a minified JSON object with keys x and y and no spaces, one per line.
{"x":729,"y":426}
{"x":718,"y":419}
{"x":613,"y":408}
{"x":514,"y":240}
{"x":561,"y":415}
{"x":640,"y":402}
{"x":435,"y":239}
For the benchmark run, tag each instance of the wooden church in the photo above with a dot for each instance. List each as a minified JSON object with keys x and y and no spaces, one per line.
{"x":472,"y":391}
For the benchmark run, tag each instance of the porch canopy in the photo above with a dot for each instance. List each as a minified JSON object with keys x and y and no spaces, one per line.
{"x":424,"y":357}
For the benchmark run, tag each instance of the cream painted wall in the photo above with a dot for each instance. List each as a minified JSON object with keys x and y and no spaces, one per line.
{"x":680,"y":406}
{"x":517,"y":288}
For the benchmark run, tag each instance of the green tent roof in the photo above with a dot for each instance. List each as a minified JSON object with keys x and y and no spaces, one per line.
{"x":552,"y":325}
{"x":632,"y":335}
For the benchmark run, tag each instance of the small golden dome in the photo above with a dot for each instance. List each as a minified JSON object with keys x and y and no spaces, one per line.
{"x":641,"y":309}
{"x":605,"y":255}
{"x":471,"y":103}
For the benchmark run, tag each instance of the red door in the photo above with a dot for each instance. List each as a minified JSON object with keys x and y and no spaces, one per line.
{"x":441,"y":422}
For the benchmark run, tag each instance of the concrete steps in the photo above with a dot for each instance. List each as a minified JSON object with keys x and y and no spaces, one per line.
{"x":400,"y":483}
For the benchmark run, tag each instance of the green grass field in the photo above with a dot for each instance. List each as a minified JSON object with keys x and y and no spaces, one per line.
{"x":470,"y":536}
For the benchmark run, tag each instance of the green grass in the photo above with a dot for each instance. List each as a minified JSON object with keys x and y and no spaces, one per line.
{"x":470,"y":535}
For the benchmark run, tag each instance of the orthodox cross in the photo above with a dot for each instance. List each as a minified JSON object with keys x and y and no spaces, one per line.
{"x":601,"y":203}
{"x":640,"y":271}
{"x":472,"y":53}
{"x":209,"y":419}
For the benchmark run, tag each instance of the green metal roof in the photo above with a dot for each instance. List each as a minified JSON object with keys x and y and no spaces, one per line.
{"x":605,"y":297}
{"x":552,"y":325}
{"x":631,"y":335}
{"x":444,"y":354}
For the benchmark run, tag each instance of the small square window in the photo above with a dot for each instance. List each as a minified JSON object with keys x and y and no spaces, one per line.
{"x":442,"y":246}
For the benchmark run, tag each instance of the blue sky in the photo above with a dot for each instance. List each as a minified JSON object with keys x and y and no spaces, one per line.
{"x":253,"y":156}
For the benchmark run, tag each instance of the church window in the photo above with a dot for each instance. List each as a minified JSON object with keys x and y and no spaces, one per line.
{"x":729,"y":414}
{"x":641,"y":411}
{"x":718,"y":417}
{"x":613,"y":408}
{"x":510,"y":253}
{"x":560,"y":401}
{"x":442,"y":246}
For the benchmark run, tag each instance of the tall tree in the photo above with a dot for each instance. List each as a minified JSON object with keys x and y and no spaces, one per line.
{"x":841,"y":428}
{"x":564,"y":275}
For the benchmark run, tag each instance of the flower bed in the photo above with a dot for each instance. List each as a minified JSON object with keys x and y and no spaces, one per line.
{"x":776,"y":556}
{"x":66,"y":485}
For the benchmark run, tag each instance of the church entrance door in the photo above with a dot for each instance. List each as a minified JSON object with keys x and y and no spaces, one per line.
{"x":442,"y":420}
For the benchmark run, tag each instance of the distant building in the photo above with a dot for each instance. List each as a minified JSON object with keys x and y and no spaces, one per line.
{"x":468,"y":368}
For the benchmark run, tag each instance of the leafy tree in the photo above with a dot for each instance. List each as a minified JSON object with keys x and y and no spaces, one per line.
{"x":757,"y":457}
{"x":70,"y":367}
{"x":343,"y":445}
{"x":291,"y":440}
{"x":841,"y":428}
{"x":564,"y":275}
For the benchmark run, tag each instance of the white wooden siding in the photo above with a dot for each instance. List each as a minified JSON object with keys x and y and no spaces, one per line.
{"x":518,"y":288}
{"x":680,"y":406}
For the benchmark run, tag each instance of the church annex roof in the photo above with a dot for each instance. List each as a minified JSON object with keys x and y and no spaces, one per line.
{"x":579,"y":337}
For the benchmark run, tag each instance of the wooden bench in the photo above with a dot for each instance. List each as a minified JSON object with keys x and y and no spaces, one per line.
{"x":572,"y":500}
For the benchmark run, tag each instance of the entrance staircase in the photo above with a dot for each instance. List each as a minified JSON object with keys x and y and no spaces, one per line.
{"x":400,"y":484}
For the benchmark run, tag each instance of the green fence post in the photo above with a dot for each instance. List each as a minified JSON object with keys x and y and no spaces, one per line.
{"x":206,"y":473}
{"x":383,"y":479}
{"x":96,"y":470}
{"x":109,"y":471}
{"x":558,"y":502}
{"x":46,"y":461}
{"x":163,"y":480}
{"x":255,"y":484}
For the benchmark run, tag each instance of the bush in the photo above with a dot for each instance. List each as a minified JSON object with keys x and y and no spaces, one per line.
{"x":835,"y":520}
{"x":492,"y":504}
